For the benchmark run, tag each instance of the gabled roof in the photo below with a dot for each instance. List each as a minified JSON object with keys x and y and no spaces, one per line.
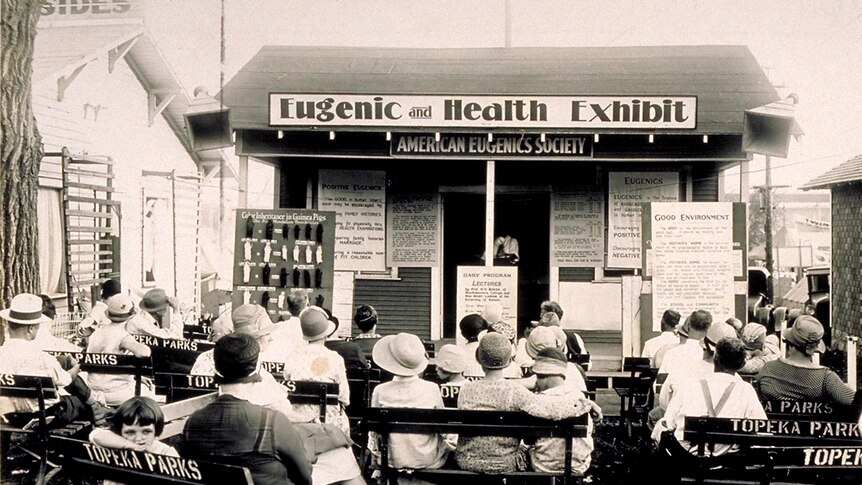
{"x":726,"y":79}
{"x":62,"y":49}
{"x":846,"y":173}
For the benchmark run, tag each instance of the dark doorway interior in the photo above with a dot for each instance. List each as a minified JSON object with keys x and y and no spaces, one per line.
{"x":463,"y":243}
{"x":526,"y":217}
{"x":522,"y":216}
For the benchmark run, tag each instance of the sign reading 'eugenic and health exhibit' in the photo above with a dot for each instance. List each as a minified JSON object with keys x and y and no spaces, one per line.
{"x":472,"y":111}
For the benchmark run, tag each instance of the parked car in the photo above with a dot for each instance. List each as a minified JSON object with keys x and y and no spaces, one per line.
{"x":817,"y":304}
{"x":758,"y":291}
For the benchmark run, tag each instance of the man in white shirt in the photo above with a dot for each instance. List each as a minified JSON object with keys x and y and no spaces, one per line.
{"x":701,"y":368}
{"x":690,"y":352}
{"x":721,"y":394}
{"x":21,"y":354}
{"x":157,"y":318}
{"x":669,"y":321}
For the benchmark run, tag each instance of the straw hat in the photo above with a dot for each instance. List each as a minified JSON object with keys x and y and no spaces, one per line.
{"x":25,"y":309}
{"x":494,"y":351}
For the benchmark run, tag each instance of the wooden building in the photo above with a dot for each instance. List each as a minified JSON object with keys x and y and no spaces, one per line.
{"x":452,"y":149}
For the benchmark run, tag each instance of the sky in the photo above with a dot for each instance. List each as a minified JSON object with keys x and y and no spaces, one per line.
{"x":811,"y":49}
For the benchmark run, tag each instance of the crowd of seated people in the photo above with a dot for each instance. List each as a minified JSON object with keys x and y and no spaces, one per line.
{"x":253,"y":423}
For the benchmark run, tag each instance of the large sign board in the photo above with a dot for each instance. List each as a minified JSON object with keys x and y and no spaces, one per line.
{"x":627,"y":191}
{"x":413,"y":230}
{"x":472,"y":111}
{"x":277,"y":251}
{"x":690,"y":256}
{"x":578,"y":226}
{"x":480,"y":285}
{"x":358,"y":198}
{"x":523,"y":146}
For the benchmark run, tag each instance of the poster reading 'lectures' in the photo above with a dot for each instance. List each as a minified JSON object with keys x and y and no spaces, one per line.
{"x":358,"y":198}
{"x":626,"y":192}
{"x":578,"y":226}
{"x":278,"y":251}
{"x":690,"y":256}
{"x":481,"y":285}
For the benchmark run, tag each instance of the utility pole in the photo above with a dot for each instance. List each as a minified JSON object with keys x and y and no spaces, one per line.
{"x":767,"y":225}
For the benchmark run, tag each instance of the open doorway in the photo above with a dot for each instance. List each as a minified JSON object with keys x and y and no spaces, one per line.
{"x":524,"y":217}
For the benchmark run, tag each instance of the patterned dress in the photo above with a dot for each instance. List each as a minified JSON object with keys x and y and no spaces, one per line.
{"x":496,"y":454}
{"x":317,"y":363}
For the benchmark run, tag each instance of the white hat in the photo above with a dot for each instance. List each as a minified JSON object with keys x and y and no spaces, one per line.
{"x":25,"y":309}
{"x":402,"y":354}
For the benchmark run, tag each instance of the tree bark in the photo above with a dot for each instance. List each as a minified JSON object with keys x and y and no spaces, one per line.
{"x":21,"y":150}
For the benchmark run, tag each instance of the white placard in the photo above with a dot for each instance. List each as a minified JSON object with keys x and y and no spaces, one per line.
{"x":626,"y":192}
{"x":413,"y":230}
{"x":358,"y":198}
{"x":693,"y":258}
{"x":460,"y":111}
{"x":481,"y":285}
{"x":577,"y":226}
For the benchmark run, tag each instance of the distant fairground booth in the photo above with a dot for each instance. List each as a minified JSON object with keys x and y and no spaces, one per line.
{"x":462,"y":176}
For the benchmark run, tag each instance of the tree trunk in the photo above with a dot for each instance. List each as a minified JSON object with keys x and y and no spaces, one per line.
{"x":21,"y":149}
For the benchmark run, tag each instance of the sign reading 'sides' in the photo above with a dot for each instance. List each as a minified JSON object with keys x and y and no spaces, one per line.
{"x":456,"y":111}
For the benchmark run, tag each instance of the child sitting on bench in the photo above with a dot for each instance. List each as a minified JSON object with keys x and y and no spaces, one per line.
{"x":134,"y":426}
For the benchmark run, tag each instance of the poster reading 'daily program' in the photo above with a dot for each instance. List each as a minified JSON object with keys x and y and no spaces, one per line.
{"x":277,"y":251}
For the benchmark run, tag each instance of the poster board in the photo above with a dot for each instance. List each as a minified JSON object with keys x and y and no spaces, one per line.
{"x":481,"y":285}
{"x":577,"y":226}
{"x":690,"y":256}
{"x":358,"y":198}
{"x":277,"y":251}
{"x":413,"y":230}
{"x":626,"y":192}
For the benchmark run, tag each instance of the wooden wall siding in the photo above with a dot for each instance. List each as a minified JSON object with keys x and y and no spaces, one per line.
{"x":403,"y":305}
{"x":120,"y":131}
{"x":704,"y":178}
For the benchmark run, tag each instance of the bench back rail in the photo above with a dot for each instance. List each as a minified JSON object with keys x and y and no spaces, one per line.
{"x":129,"y":466}
{"x":470,"y":423}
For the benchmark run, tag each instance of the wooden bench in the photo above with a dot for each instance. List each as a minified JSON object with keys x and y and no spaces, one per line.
{"x":86,"y":460}
{"x":183,"y":386}
{"x":174,"y":355}
{"x":385,"y":421}
{"x":114,"y":364}
{"x":197,"y":332}
{"x":450,"y":395}
{"x":808,"y":411}
{"x":769,"y":449}
{"x":636,"y":391}
{"x":29,"y":387}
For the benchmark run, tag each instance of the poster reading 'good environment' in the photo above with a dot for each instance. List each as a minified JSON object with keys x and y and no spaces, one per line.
{"x":626,"y":192}
{"x":690,"y":256}
{"x":358,"y":197}
{"x":412,"y":230}
{"x":277,"y":251}
{"x":577,"y":226}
